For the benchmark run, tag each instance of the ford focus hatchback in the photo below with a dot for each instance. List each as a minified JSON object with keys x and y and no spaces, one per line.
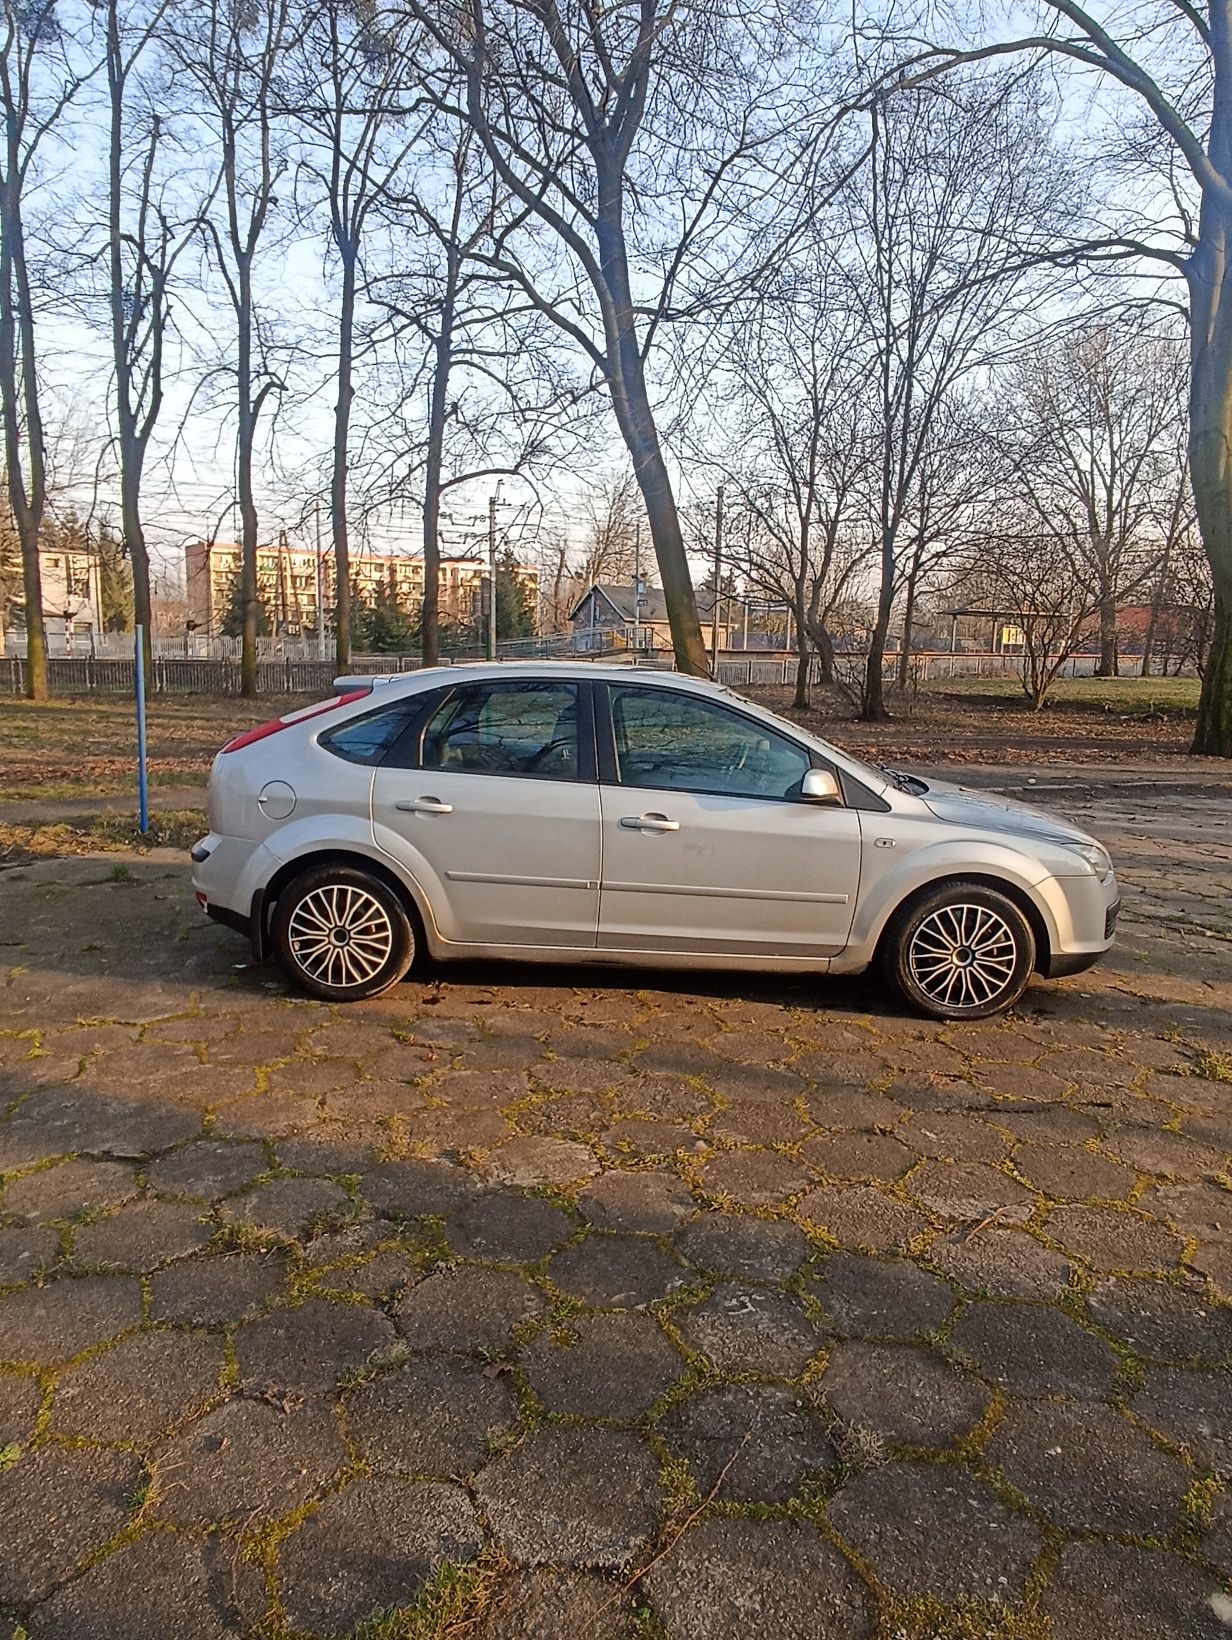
{"x":618,"y":815}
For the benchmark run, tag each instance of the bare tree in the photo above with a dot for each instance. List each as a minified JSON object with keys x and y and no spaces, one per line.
{"x":1171,"y":61}
{"x":235,"y":55}
{"x":612,"y":518}
{"x":37,"y":83}
{"x":953,"y":183}
{"x":1096,"y":416}
{"x":350,"y":96}
{"x":594,"y":120}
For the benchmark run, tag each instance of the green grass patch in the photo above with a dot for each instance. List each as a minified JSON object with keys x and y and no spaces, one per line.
{"x":1135,"y":697}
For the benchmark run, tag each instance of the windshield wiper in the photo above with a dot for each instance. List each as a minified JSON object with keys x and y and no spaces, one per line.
{"x":909,"y":783}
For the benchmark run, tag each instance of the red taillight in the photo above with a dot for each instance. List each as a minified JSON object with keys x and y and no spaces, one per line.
{"x":272,"y":727}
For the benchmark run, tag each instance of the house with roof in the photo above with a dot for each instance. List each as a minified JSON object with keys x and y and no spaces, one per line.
{"x":606,"y":617}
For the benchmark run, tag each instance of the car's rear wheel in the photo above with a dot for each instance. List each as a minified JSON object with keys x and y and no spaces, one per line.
{"x":961,"y":951}
{"x":341,"y":934}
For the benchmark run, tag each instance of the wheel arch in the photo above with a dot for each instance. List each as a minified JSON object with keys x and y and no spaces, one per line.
{"x":266,"y":897}
{"x":984,"y":879}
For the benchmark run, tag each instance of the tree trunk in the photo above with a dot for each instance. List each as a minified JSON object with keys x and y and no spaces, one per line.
{"x":438,"y":409}
{"x":803,"y":653}
{"x":245,"y":434}
{"x":635,"y":418}
{"x":873,"y":708}
{"x":338,"y":523}
{"x":904,"y":652}
{"x":1210,"y":439}
{"x":19,"y":403}
{"x":1108,"y":664}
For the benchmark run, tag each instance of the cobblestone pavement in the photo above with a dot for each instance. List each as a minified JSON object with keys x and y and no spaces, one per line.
{"x":537,"y":1306}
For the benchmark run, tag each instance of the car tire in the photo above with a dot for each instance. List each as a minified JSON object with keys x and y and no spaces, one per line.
{"x":341,"y":934}
{"x":960,"y":951}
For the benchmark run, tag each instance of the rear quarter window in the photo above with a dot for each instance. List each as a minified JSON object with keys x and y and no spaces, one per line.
{"x":367,"y":739}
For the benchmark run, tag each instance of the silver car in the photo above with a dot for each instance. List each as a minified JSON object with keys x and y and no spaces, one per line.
{"x":606,"y":814}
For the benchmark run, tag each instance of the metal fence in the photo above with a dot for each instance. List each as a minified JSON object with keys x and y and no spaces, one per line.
{"x":95,"y":675}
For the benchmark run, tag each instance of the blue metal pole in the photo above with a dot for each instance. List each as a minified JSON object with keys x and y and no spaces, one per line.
{"x":143,"y":780}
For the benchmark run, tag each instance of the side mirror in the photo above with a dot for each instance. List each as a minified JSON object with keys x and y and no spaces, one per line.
{"x":820,"y":786}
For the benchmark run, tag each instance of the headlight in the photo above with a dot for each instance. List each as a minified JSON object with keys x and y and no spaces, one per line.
{"x":1096,"y":856}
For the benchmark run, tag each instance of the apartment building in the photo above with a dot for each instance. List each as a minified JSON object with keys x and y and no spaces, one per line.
{"x":293,"y":582}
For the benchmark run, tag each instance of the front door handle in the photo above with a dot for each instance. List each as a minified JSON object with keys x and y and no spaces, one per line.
{"x":424,"y":805}
{"x":649,"y":822}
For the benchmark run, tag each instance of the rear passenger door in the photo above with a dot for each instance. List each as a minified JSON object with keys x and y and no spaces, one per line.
{"x":493,"y":807}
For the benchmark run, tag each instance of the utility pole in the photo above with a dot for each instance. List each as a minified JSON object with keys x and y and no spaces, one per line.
{"x":637,"y":586}
{"x":718,"y":570}
{"x":493,"y":503}
{"x":320,"y":590}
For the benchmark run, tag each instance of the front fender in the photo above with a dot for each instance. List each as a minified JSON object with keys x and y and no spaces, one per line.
{"x":884,"y":887}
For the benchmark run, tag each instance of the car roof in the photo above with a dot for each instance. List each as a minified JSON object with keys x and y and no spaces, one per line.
{"x":537,"y":670}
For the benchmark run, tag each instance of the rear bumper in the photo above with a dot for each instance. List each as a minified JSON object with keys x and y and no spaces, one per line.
{"x":222,"y":870}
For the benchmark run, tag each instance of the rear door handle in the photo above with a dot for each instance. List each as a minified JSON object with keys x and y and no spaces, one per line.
{"x":649,"y":822}
{"x":424,"y":805}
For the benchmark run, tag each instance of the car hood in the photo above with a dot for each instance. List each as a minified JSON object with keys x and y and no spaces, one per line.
{"x":962,"y":807}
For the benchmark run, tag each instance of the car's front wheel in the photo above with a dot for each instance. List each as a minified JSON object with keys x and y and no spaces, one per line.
{"x":341,"y":934}
{"x":962,"y":951}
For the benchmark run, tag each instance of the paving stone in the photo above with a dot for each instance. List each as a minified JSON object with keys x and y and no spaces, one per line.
{"x":20,"y":1399}
{"x":1172,"y":1154}
{"x":650,"y":1140}
{"x":1088,"y":1469}
{"x":954,"y":1137}
{"x":1098,"y":1590}
{"x":1203,"y":1211}
{"x":750,"y":1119}
{"x":1215,"y":1263}
{"x":857,"y":1155}
{"x":753,"y":1178}
{"x":651,"y":1202}
{"x":742,"y":1328}
{"x":836,"y":1106}
{"x":899,"y":1515}
{"x":58,"y":1506}
{"x":534,"y":1161}
{"x":969,"y":1191}
{"x":217,"y":1288}
{"x":1034,"y":1349}
{"x":859,"y":1215}
{"x":764,"y":1440}
{"x":743,"y":1577}
{"x":1216,"y":1545}
{"x":1046,"y":1124}
{"x":58,"y":1122}
{"x":65,"y":1317}
{"x":624,"y":1271}
{"x":551,"y":1605}
{"x":411,"y":1189}
{"x":880,"y":1298}
{"x":1070,"y":1173}
{"x":765,"y":1249}
{"x":613,"y":1366}
{"x":462,"y":1309}
{"x":370,"y":1547}
{"x":506,"y":1226}
{"x":1158,"y":1319}
{"x":1193,"y":1409}
{"x":904,"y":1396}
{"x":434,"y":1416}
{"x":145,"y":1384}
{"x":572,"y":1497}
{"x":293,"y":1208}
{"x":248,"y":1461}
{"x":67,"y":1190}
{"x":142,"y":1236}
{"x":1003,"y":1263}
{"x":386,"y":1275}
{"x":311,"y":1347}
{"x":187,"y":1592}
{"x":1108,"y":1240}
{"x":25,"y":1253}
{"x":207,"y":1169}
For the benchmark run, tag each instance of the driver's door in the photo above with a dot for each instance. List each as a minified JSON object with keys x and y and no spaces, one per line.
{"x":708,"y":845}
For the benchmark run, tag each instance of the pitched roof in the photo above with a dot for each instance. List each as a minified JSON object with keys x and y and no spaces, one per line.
{"x":619,"y":595}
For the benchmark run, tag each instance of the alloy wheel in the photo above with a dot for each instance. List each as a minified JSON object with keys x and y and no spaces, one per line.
{"x":340,"y":935}
{"x":963,"y":956}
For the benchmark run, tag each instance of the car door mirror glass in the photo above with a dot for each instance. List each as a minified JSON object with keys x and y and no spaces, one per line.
{"x":821,"y":786}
